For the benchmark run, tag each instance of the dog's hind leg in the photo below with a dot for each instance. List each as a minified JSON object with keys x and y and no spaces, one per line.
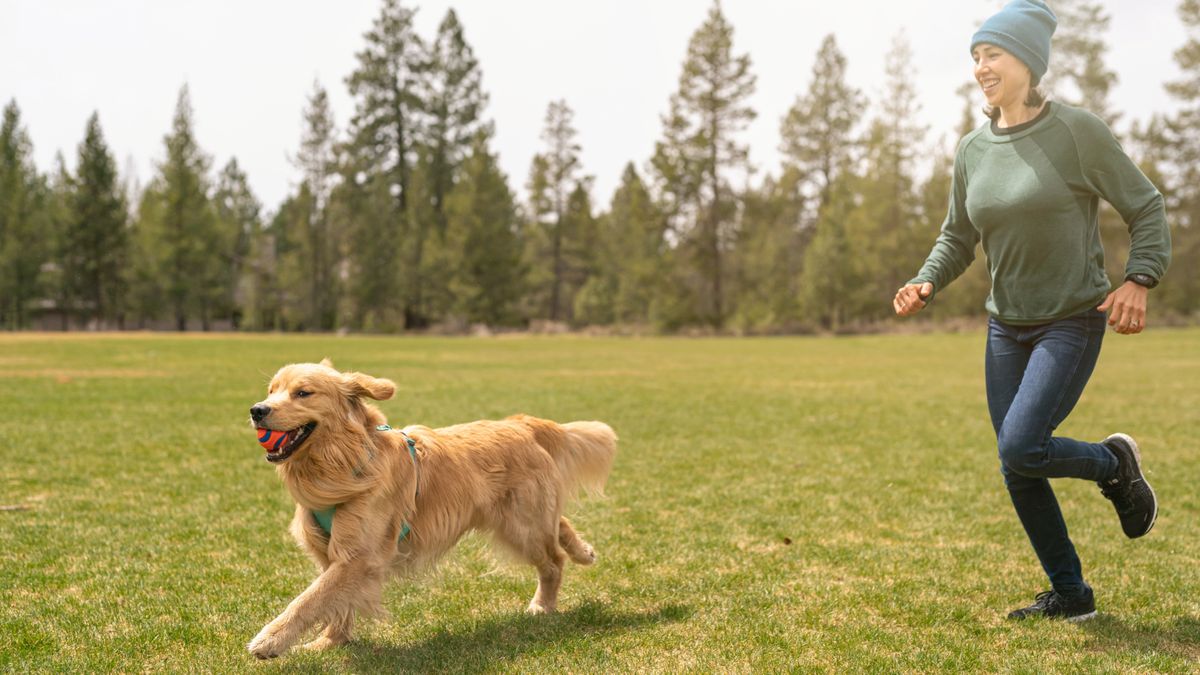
{"x":539,"y":547}
{"x":579,"y":550}
{"x":550,"y":569}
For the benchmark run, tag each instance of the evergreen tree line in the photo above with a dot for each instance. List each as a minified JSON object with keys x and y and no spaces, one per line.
{"x":403,"y":219}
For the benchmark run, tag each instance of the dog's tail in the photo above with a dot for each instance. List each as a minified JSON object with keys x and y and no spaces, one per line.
{"x":584,"y":451}
{"x":589,"y":453}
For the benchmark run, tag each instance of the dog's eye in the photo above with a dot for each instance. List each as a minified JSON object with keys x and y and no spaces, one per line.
{"x":303,"y":394}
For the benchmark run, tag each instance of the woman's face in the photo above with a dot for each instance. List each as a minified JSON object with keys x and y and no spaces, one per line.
{"x":1005,"y":80}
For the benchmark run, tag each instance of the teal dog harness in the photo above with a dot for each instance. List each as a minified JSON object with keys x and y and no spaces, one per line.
{"x":324,"y":517}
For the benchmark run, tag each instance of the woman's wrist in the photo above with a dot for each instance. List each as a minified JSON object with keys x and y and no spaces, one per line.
{"x":1143,"y":280}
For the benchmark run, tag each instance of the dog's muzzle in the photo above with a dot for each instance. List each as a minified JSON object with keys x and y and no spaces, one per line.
{"x":281,"y":444}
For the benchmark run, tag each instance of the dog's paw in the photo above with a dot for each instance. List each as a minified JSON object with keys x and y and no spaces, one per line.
{"x":266,"y":645}
{"x":536,"y":608}
{"x":583,"y":554}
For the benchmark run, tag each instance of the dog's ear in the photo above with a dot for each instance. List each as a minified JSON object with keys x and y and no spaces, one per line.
{"x":359,"y":384}
{"x":327,"y":363}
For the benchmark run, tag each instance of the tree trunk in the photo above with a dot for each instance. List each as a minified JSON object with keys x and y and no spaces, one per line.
{"x":558,"y":271}
{"x":714,"y":226}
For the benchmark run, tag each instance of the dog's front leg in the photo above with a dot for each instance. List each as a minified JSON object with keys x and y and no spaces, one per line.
{"x":336,"y":633}
{"x":333,"y":594}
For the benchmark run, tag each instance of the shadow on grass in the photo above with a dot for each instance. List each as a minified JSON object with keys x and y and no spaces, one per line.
{"x":1180,"y":638}
{"x":490,"y":644}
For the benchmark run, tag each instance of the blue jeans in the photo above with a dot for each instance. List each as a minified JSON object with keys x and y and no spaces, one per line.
{"x":1035,"y":375}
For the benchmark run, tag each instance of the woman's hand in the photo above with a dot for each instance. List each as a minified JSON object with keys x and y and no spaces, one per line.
{"x":1128,"y":305}
{"x":911,"y":298}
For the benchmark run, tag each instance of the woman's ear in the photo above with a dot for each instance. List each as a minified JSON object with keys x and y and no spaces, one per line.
{"x":359,"y":384}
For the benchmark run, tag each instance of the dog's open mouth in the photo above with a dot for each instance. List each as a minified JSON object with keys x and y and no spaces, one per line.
{"x":285,"y":444}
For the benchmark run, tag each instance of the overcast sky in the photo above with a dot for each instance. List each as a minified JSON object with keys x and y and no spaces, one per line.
{"x":250,"y":65}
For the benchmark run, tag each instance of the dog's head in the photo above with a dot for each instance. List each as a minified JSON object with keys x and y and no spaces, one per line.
{"x":304,"y":397}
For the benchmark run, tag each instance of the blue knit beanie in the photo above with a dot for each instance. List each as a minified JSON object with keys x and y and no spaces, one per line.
{"x":1023,"y":28}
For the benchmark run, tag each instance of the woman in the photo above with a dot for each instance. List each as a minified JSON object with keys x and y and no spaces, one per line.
{"x":1027,"y":185}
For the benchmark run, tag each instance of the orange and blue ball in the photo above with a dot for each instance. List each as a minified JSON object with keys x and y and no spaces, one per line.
{"x":272,"y":439}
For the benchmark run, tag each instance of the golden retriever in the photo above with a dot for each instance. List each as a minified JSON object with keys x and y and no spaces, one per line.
{"x":398,"y":509}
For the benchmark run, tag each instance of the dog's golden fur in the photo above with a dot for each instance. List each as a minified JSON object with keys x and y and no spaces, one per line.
{"x":511,"y":477}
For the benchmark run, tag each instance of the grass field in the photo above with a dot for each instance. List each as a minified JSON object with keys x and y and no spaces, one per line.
{"x":810,"y":504}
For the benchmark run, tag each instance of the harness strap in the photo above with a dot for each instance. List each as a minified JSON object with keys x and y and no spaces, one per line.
{"x":324,"y":517}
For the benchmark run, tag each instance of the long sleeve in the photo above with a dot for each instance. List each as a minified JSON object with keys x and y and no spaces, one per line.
{"x":1112,"y":175}
{"x":954,"y":249}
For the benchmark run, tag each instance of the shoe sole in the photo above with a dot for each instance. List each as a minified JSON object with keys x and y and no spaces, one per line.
{"x":1137,"y":458}
{"x":1078,"y":618}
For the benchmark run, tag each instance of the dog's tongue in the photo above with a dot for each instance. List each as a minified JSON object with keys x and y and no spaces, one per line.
{"x":272,"y":439}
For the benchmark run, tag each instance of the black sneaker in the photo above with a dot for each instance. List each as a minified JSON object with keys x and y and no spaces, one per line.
{"x":1052,"y":605}
{"x":1131,"y":495}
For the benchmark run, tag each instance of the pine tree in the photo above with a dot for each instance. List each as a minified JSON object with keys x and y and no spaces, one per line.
{"x":818,"y":144}
{"x":383,"y":148}
{"x":580,"y":247}
{"x":817,"y":132}
{"x":258,"y":291}
{"x":452,"y":89}
{"x":149,"y":253}
{"x":831,"y":284}
{"x":554,"y":174}
{"x":23,"y":247}
{"x":239,"y":223}
{"x":538,"y":226}
{"x":771,"y":237}
{"x":317,"y":158}
{"x":454,"y":100}
{"x":388,"y":107}
{"x":698,"y":151}
{"x":177,"y":231}
{"x":318,"y":240}
{"x":58,"y":224}
{"x":373,"y":244}
{"x":630,"y":256}
{"x":97,"y":247}
{"x":290,"y":234}
{"x":482,"y":219}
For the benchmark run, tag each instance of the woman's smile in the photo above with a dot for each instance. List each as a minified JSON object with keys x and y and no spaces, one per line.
{"x":990,"y":86}
{"x":1000,"y":75}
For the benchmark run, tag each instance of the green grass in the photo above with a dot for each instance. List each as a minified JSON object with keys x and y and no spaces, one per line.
{"x":777,"y":504}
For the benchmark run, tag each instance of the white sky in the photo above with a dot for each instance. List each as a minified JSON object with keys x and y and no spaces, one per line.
{"x":250,"y":65}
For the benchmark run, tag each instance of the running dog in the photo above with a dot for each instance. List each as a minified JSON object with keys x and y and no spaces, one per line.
{"x":372,"y":501}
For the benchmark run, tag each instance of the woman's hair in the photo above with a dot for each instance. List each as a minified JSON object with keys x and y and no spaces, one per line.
{"x":1035,"y":98}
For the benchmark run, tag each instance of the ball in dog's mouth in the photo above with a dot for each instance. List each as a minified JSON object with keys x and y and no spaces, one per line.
{"x":281,"y":444}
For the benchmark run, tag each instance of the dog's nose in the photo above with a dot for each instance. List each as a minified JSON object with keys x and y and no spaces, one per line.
{"x":259,"y":410}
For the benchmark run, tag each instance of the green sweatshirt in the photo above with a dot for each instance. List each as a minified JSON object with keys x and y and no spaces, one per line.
{"x":1032,"y":195}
